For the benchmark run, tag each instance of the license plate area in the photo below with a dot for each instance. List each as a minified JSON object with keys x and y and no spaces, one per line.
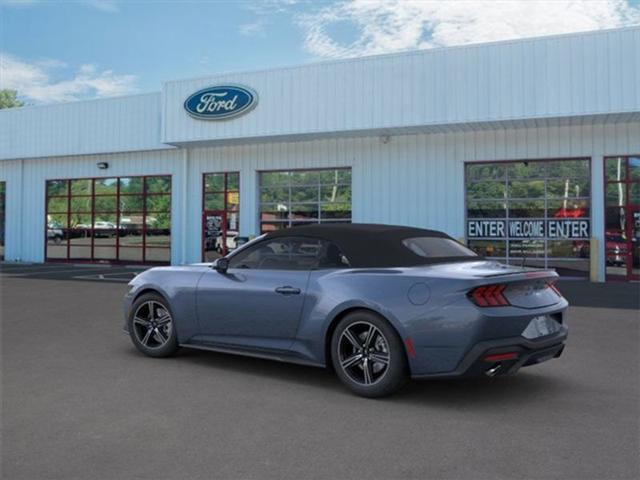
{"x":541,"y":326}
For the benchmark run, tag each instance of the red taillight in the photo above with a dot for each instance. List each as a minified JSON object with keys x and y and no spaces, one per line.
{"x":489,"y":296}
{"x":501,"y":357}
{"x":553,"y":287}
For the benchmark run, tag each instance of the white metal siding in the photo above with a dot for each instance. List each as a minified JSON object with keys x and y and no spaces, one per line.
{"x":554,"y":77}
{"x":412,"y":180}
{"x":589,"y":77}
{"x":97,"y":126}
{"x":26,"y":206}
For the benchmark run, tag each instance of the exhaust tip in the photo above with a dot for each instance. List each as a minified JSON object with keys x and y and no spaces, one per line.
{"x":493,"y":371}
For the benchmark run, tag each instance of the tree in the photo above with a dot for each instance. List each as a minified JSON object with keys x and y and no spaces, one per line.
{"x":9,"y":99}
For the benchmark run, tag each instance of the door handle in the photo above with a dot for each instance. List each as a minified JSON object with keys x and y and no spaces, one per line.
{"x":288,"y":290}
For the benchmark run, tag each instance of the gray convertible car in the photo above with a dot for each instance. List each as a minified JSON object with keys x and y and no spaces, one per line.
{"x":376,"y":303}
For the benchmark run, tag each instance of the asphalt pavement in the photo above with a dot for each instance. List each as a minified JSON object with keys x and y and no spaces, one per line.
{"x":78,"y":402}
{"x":68,"y":271}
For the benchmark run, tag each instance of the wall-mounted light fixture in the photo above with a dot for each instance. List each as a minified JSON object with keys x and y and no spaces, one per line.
{"x":102,"y":165}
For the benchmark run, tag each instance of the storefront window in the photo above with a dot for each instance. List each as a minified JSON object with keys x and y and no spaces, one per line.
{"x":109,"y":219}
{"x":221,"y":214}
{"x":535,"y":213}
{"x":298,"y":197}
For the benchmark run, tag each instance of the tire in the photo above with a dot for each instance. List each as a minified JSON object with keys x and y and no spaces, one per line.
{"x":152,"y":334}
{"x":368,"y":355}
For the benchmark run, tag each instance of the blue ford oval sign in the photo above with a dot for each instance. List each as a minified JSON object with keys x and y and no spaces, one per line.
{"x":221,"y":102}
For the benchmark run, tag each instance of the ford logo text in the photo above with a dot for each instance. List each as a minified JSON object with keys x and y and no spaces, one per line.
{"x":221,"y":102}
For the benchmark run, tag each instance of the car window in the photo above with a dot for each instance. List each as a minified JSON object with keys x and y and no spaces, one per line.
{"x":330,"y":256}
{"x":437,"y":247}
{"x":290,"y":253}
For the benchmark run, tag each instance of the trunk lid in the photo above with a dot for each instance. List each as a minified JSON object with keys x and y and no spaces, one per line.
{"x":522,"y":287}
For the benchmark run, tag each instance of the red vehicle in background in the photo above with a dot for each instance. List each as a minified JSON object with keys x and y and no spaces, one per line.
{"x":616,"y":248}
{"x":572,"y":212}
{"x":580,"y":247}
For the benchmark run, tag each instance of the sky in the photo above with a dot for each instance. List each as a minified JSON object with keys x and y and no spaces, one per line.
{"x":56,"y":51}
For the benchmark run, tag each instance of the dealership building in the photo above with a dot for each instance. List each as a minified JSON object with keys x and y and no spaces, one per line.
{"x":526,"y":150}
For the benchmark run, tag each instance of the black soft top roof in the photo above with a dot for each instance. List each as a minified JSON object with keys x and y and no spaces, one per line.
{"x":369,"y":245}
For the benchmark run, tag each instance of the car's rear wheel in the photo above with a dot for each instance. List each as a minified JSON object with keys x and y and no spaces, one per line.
{"x":151,"y":326}
{"x":368,"y":355}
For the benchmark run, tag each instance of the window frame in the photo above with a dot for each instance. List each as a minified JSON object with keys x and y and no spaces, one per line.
{"x":225,"y":207}
{"x":318,"y":202}
{"x":249,"y":249}
{"x":627,"y":207}
{"x":506,"y":179}
{"x":98,"y":216}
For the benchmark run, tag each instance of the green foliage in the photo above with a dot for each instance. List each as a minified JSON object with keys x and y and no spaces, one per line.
{"x":106,"y":186}
{"x":306,"y":195}
{"x":214,"y":182}
{"x":57,"y":187}
{"x":9,"y":99}
{"x":131,"y":185}
{"x":158,"y":184}
{"x":486,"y":190}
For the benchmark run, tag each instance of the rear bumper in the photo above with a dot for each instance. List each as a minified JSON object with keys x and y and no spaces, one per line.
{"x":528,"y":352}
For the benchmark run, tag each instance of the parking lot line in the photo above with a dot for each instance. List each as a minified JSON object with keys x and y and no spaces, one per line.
{"x":128,"y":276}
{"x":75,"y":272}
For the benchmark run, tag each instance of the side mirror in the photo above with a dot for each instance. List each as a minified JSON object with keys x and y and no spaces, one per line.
{"x":221,"y":265}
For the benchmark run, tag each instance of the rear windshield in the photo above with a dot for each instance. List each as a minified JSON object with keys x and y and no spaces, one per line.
{"x":437,"y":247}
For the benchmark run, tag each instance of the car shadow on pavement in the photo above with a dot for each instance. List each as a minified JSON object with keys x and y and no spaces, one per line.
{"x":517,"y":390}
{"x":255,"y":367}
{"x":521,"y":389}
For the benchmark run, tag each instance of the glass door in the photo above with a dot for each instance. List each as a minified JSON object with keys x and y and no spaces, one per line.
{"x":215,"y":234}
{"x":220,"y":214}
{"x":622,"y":218}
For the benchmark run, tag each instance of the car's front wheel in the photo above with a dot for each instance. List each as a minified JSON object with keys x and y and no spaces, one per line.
{"x":151,"y":326}
{"x":368,"y":355}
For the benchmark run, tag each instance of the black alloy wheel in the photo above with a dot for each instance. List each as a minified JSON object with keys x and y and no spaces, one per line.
{"x":368,"y":355}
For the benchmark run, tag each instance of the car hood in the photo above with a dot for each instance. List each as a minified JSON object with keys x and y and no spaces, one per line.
{"x":178,"y":268}
{"x":190,"y":266}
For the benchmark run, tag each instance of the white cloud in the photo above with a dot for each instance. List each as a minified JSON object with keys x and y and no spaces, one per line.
{"x":252,"y":29}
{"x":34,"y":82}
{"x":264,"y":7}
{"x":393,"y":25}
